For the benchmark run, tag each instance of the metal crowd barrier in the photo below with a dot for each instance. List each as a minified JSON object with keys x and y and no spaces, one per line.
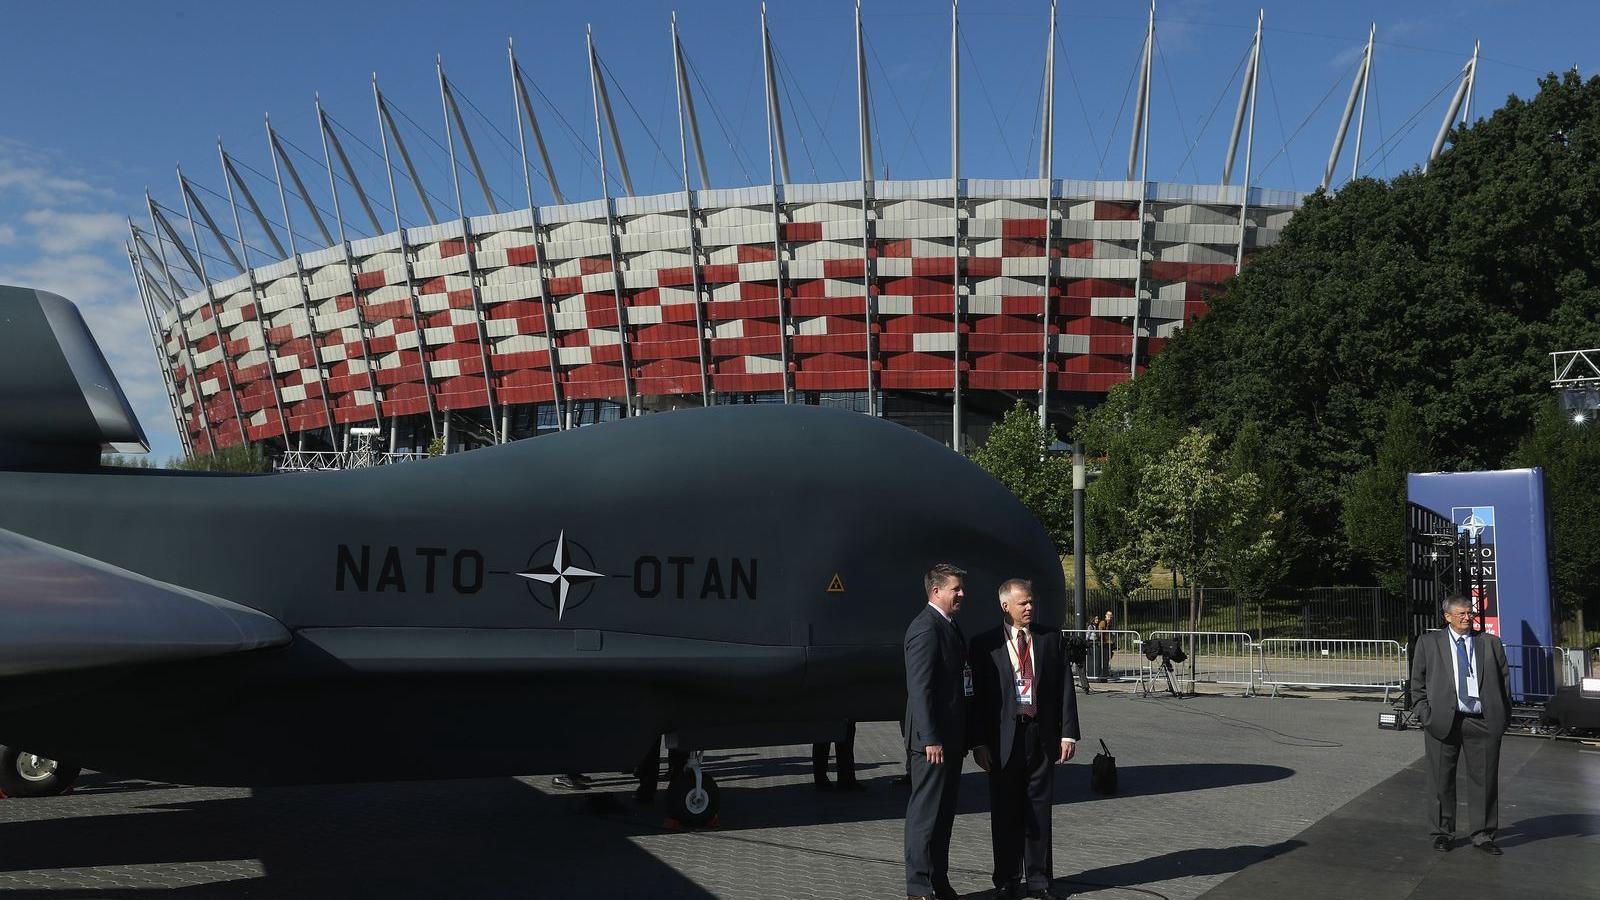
{"x":1297,"y":662}
{"x":1120,"y":659}
{"x":1536,"y":671}
{"x":1214,"y":657}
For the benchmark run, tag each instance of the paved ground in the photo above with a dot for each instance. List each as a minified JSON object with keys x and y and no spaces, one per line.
{"x":1211,"y":785}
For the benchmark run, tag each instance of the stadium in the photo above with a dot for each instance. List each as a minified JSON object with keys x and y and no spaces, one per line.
{"x":936,"y":303}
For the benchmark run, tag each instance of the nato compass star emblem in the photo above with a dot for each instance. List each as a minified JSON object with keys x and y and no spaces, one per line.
{"x":563,"y":574}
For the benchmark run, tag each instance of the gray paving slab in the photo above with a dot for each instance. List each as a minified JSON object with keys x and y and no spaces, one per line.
{"x":1377,"y":846}
{"x":1211,"y":785}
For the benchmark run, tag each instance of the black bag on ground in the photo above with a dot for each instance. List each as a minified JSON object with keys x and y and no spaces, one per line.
{"x":1103,"y":772}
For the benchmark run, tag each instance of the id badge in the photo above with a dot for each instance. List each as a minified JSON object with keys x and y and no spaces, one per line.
{"x":1024,"y":687}
{"x":966,"y":680}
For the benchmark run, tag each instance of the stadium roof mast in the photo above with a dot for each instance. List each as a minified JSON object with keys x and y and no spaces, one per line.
{"x":191,"y":197}
{"x":525,"y":107}
{"x":199,"y":261}
{"x":868,"y":268}
{"x":349,"y":261}
{"x":1047,"y":146}
{"x":685,"y":98}
{"x":232,"y":176}
{"x":405,"y":256}
{"x":255,"y":298}
{"x":281,"y":155}
{"x":1138,"y":151}
{"x":1469,"y":74}
{"x":775,"y":151}
{"x":183,"y":331}
{"x":386,"y":130}
{"x":955,"y":226}
{"x":599,"y":98}
{"x":522,"y":103}
{"x":1359,"y":86}
{"x":774,"y":110}
{"x":448,"y":104}
{"x":331,"y":138}
{"x":1249,"y":141}
{"x":300,"y":280}
{"x":146,"y":301}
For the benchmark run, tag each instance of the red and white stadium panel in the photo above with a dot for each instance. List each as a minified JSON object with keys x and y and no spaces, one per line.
{"x":532,"y":304}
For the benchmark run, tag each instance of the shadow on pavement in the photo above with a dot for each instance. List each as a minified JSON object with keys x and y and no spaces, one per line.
{"x":476,"y":838}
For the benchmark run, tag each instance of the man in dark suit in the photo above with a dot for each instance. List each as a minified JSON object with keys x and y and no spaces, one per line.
{"x":938,"y":685}
{"x":1460,"y":691}
{"x":1025,"y":721}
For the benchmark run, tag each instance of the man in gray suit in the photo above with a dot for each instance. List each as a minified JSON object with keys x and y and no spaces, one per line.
{"x":938,"y":688}
{"x":1460,"y":692}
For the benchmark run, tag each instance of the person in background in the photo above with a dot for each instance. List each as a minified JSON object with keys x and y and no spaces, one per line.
{"x":846,"y":750}
{"x":1108,"y":643}
{"x":1460,"y":692}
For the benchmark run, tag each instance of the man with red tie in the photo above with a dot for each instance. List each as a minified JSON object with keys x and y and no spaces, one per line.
{"x":1025,"y":721}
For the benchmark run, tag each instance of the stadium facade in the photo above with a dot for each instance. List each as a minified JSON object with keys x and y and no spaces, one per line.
{"x":936,"y":302}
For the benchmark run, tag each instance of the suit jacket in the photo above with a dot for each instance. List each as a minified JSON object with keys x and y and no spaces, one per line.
{"x":936,"y":702}
{"x":994,"y":709}
{"x":1433,"y":681}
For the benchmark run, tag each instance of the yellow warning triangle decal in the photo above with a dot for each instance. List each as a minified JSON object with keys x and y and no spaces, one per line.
{"x":836,"y":586}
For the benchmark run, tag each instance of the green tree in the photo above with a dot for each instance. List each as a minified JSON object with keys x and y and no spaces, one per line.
{"x":1569,"y":453}
{"x":248,"y":458}
{"x":1197,"y":518}
{"x":1123,"y":436}
{"x":436,"y":447}
{"x":1374,"y":513}
{"x":1448,"y":289}
{"x":1256,"y":554}
{"x":1017,"y":453}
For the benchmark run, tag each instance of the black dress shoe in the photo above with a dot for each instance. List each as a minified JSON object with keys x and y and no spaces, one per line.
{"x":851,"y":785}
{"x":948,"y":893}
{"x":1043,"y":894}
{"x":822,"y":784}
{"x":1490,"y":848}
{"x":1441,"y":844}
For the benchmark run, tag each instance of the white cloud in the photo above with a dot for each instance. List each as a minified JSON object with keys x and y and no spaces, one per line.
{"x":62,"y":234}
{"x":58,"y":232}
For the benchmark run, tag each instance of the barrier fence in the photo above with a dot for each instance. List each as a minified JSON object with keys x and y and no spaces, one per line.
{"x":1537,"y":671}
{"x":1213,"y":657}
{"x":1367,"y":613}
{"x":1295,"y":662}
{"x":1117,"y":659}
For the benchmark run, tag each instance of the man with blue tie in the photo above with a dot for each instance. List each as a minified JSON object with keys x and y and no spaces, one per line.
{"x":1460,"y":692}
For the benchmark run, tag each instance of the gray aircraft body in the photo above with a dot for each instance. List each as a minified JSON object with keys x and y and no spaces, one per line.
{"x":544,"y":606}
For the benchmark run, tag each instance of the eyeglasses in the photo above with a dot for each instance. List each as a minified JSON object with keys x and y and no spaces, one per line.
{"x":1460,"y":612}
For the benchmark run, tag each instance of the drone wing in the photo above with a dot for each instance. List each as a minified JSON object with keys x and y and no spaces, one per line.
{"x":62,"y":611}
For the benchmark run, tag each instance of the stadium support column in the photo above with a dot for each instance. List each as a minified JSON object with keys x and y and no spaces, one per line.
{"x":1472,"y":83}
{"x":1047,"y":141}
{"x":449,"y":105}
{"x":405,"y":260}
{"x":160,"y":347}
{"x":776,"y":153}
{"x":600,"y":98}
{"x":255,"y":301}
{"x":868,"y":266}
{"x":350,"y":266}
{"x":211,"y":304}
{"x":1249,"y":146}
{"x":1462,"y":87}
{"x":300,"y":281}
{"x":1357,"y":92}
{"x":1141,"y":148}
{"x":183,"y":328}
{"x":955,"y":226}
{"x":143,"y":251}
{"x":693,"y":223}
{"x":524,"y":104}
{"x":1361,"y":117}
{"x":387,"y":125}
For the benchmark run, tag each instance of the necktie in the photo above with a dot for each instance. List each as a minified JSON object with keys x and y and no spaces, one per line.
{"x":1463,"y":672}
{"x":1024,"y":667}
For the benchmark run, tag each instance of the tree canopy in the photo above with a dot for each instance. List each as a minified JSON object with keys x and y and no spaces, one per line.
{"x":1442,"y":293}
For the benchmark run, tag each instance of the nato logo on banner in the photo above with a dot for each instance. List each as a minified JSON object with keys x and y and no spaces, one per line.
{"x":1476,"y":523}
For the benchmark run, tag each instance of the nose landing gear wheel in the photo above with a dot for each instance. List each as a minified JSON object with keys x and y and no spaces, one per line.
{"x":693,"y":797}
{"x":24,"y":774}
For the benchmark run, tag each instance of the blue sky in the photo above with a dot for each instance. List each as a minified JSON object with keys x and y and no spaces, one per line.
{"x":103,"y":99}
